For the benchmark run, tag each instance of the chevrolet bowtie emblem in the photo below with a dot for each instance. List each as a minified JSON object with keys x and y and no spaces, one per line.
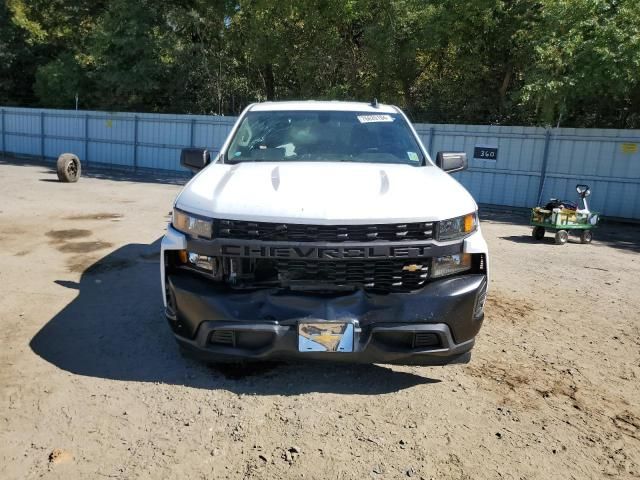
{"x":413,"y":267}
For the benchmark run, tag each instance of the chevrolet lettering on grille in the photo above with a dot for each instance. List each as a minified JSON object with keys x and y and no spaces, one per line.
{"x":326,"y":253}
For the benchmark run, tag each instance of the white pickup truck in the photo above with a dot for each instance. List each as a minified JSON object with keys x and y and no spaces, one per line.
{"x":324,"y":230}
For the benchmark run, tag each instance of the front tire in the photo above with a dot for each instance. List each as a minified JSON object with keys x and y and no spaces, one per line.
{"x":561,"y":237}
{"x":586,"y":236}
{"x":538,"y":233}
{"x":68,"y":168}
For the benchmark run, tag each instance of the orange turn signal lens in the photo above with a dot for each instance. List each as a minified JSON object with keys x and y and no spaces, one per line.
{"x":469,"y":222}
{"x":182,"y":256}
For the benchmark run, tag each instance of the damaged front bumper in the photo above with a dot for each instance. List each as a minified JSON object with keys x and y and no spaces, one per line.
{"x":435,"y":325}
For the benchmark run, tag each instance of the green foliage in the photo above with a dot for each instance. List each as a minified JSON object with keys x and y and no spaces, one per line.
{"x":130,"y":56}
{"x":59,"y":81}
{"x":586,"y":55}
{"x":573,"y":62}
{"x":17,"y":61}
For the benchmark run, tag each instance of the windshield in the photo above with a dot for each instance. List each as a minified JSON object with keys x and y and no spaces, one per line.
{"x":324,"y":136}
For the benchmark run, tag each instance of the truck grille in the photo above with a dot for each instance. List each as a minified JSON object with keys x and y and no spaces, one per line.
{"x":386,"y":275}
{"x":245,"y":230}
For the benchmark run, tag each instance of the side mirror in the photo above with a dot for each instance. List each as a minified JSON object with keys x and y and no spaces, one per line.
{"x":194,"y":158}
{"x":451,"y":161}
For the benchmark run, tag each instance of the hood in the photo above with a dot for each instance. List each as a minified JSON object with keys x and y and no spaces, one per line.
{"x":325,"y":193}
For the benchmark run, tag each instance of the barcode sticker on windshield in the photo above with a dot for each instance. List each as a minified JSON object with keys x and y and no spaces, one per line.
{"x":375,"y":118}
{"x":413,"y":156}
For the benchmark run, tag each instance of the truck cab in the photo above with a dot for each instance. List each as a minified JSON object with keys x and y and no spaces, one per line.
{"x":324,"y":230}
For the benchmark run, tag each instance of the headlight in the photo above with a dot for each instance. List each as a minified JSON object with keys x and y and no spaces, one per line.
{"x":450,"y":264}
{"x":192,"y":224}
{"x":458,"y":227}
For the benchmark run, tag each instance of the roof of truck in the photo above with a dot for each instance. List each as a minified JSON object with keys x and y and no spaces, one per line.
{"x":333,"y":105}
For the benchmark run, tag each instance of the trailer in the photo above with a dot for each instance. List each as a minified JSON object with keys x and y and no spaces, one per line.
{"x":564,"y":221}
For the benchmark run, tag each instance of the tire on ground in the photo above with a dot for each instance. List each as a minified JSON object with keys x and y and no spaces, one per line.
{"x":68,"y":168}
{"x":586,"y":236}
{"x":561,"y":237}
{"x":538,"y":232}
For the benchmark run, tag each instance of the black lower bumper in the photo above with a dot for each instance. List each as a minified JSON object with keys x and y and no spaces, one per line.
{"x":435,"y":325}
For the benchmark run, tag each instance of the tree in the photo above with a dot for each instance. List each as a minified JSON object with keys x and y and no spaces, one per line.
{"x":17,"y":62}
{"x":572,"y":62}
{"x":586,"y":63}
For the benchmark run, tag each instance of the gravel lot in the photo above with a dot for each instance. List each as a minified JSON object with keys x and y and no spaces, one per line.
{"x":92,"y":384}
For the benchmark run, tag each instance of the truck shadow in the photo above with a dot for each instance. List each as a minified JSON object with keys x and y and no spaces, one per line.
{"x":115,"y":329}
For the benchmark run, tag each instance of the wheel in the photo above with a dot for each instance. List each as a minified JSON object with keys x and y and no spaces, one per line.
{"x":586,"y":236}
{"x":538,"y":233}
{"x":561,"y":237}
{"x":68,"y":168}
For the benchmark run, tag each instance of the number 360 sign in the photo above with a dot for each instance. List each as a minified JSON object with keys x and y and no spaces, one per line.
{"x":485,"y":153}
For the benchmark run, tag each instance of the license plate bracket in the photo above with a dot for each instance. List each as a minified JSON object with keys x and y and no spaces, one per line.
{"x":335,"y":337}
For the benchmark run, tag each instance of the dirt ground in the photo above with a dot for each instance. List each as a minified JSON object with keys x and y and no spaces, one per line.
{"x":92,"y":384}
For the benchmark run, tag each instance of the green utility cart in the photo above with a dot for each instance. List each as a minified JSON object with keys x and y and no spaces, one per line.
{"x":563,"y":221}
